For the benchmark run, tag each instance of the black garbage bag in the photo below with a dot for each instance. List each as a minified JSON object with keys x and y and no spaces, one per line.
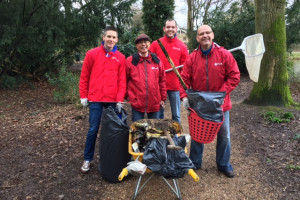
{"x":165,"y":162}
{"x":207,"y":104}
{"x":113,"y":145}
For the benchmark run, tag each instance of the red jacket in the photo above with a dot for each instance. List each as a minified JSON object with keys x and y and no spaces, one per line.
{"x":146,"y":85}
{"x":103,"y":76}
{"x":218,"y":71}
{"x":178,"y":52}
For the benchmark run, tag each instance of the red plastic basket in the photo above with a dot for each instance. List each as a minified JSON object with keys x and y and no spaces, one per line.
{"x":201,"y":130}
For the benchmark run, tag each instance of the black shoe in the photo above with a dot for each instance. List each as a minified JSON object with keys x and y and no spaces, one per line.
{"x":229,"y":174}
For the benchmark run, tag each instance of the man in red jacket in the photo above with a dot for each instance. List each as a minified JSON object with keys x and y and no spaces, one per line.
{"x":212,"y":68}
{"x":178,"y":52}
{"x":146,"y":86}
{"x":102,"y":84}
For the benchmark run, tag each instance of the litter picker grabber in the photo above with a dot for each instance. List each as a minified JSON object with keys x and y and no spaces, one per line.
{"x":253,"y":48}
{"x":171,"y":69}
{"x":172,"y":64}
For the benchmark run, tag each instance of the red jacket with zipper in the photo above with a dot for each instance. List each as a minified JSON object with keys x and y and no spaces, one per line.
{"x":217,"y":71}
{"x":146,"y":85}
{"x":103,"y":76}
{"x":177,"y":51}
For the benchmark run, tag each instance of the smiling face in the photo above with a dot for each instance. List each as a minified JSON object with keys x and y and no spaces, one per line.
{"x":143,"y":46}
{"x":170,"y":28}
{"x":205,"y":37}
{"x":110,"y":39}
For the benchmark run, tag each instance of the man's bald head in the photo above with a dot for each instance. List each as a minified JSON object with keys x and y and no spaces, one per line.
{"x":205,"y":37}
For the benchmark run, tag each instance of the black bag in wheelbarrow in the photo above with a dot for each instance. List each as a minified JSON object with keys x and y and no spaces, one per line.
{"x":165,"y":162}
{"x":113,"y":146}
{"x":208,"y":105}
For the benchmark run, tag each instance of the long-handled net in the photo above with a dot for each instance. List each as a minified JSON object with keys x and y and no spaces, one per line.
{"x":253,"y":47}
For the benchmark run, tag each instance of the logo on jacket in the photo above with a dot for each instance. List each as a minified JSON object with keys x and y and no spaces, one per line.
{"x":176,"y":48}
{"x":154,"y":68}
{"x":114,"y":58}
{"x":216,"y":64}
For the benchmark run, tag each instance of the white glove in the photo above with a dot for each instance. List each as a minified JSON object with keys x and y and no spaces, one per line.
{"x":119,"y":107}
{"x":186,"y":103}
{"x":136,"y":167}
{"x":84,"y":102}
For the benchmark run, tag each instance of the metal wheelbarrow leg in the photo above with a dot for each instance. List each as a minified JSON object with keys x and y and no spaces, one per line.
{"x":175,"y":189}
{"x":137,"y":188}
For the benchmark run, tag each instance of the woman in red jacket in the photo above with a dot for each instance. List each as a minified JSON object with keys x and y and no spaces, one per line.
{"x":146,"y":85}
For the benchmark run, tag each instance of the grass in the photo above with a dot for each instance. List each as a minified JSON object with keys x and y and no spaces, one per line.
{"x":295,"y":55}
{"x":297,"y":136}
{"x":277,"y":115}
{"x":296,"y":167}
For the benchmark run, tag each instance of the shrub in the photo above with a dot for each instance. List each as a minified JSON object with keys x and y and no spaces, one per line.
{"x":127,"y":49}
{"x":11,"y":82}
{"x":66,"y":86}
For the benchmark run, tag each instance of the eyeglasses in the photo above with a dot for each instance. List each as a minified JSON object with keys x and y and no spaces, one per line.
{"x":206,"y":32}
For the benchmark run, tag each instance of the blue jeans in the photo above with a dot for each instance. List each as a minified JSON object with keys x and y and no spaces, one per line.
{"x":94,"y":120}
{"x":136,"y":115}
{"x":223,"y":148}
{"x":174,"y":99}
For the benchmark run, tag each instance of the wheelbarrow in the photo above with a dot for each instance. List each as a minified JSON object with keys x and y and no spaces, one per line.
{"x":138,"y":156}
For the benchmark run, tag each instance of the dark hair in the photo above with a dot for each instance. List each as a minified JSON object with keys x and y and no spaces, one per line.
{"x":109,"y":28}
{"x":169,"y":20}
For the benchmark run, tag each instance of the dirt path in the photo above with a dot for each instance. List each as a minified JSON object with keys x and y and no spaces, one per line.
{"x":42,"y":144}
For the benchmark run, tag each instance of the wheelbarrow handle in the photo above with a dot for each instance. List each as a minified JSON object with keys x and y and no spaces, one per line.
{"x":123,"y":174}
{"x":193,"y":174}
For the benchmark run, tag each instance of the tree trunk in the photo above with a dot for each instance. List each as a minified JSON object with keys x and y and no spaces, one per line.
{"x":190,"y":20}
{"x":272,"y":87}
